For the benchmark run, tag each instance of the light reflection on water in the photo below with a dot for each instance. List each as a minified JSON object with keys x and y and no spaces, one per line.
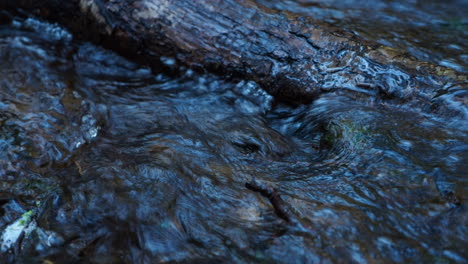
{"x":120,"y":164}
{"x":433,"y":30}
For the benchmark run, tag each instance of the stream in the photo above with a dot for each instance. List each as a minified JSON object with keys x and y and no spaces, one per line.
{"x":103,"y":160}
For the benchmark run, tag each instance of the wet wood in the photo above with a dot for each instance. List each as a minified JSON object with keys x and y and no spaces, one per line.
{"x":275,"y":199}
{"x":294,"y":58}
{"x":282,"y":209}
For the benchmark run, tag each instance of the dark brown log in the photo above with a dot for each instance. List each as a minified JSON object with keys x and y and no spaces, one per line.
{"x":291,"y":57}
{"x":275,"y":199}
{"x":282,"y":210}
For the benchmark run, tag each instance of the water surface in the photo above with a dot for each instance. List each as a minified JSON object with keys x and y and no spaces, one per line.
{"x":105,"y":161}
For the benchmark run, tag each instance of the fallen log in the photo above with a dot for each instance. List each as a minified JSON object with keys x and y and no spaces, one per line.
{"x":293,"y":58}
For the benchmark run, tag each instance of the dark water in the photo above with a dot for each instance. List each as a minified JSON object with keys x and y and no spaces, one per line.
{"x":105,"y":161}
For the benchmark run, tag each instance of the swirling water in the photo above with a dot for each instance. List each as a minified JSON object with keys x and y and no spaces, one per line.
{"x":105,"y":161}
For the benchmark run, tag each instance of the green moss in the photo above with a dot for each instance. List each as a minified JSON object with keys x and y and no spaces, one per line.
{"x":345,"y":131}
{"x":329,"y":139}
{"x":26,"y":217}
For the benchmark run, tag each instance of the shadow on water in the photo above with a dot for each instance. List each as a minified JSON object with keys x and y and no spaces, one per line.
{"x":104,"y":161}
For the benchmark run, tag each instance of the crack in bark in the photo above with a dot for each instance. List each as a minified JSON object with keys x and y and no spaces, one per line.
{"x":306,"y":38}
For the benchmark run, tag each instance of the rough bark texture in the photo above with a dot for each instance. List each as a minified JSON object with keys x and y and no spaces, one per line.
{"x":291,"y":57}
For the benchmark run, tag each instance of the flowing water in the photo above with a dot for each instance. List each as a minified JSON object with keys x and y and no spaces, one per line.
{"x":431,"y":30}
{"x":105,"y":161}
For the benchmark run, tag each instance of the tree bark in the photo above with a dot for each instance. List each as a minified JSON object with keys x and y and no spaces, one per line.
{"x":293,"y":58}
